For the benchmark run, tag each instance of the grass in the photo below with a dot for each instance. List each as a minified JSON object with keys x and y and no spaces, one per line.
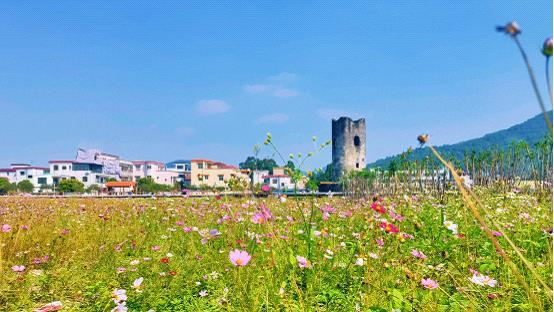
{"x":87,"y":240}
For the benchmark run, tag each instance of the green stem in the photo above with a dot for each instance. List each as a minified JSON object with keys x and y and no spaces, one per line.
{"x":533,"y":82}
{"x":548,"y":77}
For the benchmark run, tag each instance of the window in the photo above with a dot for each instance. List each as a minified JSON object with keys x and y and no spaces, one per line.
{"x":357,"y":165}
{"x":41,"y":181}
{"x":22,"y":173}
{"x":274,"y":181}
{"x":137,"y":167}
{"x":29,"y":177}
{"x":180,"y":167}
{"x":356,"y":141}
{"x":206,"y":177}
{"x":55,"y":167}
{"x":85,"y":179}
{"x":220,"y":177}
{"x":73,"y":178}
{"x":200,"y":166}
{"x":148,"y":167}
{"x":64,"y":168}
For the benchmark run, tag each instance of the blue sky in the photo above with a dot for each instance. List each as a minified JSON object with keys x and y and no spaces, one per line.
{"x":208,"y":79}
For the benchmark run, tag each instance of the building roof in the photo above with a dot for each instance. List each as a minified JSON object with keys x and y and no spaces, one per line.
{"x":147,"y":162}
{"x":179,"y":161}
{"x":7,"y":170}
{"x":120,"y":184}
{"x":224,"y":166}
{"x":30,"y":167}
{"x":20,"y":165}
{"x":60,"y":161}
{"x":201,"y":160}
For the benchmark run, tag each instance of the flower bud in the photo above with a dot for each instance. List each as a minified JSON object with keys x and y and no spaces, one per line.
{"x":512,"y":29}
{"x":423,"y":138}
{"x":547,"y":47}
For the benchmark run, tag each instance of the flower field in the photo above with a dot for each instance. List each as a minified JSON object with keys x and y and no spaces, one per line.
{"x":411,"y":253}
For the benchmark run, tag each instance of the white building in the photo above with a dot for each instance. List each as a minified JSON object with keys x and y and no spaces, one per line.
{"x":39,"y":176}
{"x":88,"y":173}
{"x":257,"y":176}
{"x":279,"y":182}
{"x":155,"y":170}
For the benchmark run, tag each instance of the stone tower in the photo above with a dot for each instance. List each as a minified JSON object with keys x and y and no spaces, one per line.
{"x":348,"y":145}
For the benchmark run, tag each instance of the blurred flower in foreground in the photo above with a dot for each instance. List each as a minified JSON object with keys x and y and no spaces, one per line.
{"x":512,"y":29}
{"x":547,"y":47}
{"x":423,"y":138}
{"x":52,"y":306}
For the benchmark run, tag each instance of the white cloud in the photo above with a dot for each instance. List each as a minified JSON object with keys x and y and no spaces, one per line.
{"x":277,"y":86}
{"x":185,"y":131}
{"x":333,"y":113}
{"x":273,"y":118}
{"x":210,"y":107}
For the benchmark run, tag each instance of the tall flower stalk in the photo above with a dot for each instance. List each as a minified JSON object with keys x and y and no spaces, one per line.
{"x":547,"y":52}
{"x":512,"y":29}
{"x":473,"y":205}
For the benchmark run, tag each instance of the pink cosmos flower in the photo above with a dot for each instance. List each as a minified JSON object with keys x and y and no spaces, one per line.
{"x":6,"y":228}
{"x":380,"y":242}
{"x":302,"y":262}
{"x":483,"y":280}
{"x":418,"y":254}
{"x":258,"y":218}
{"x":156,"y":248}
{"x":187,"y":229}
{"x":328,"y":209}
{"x":346,"y":214}
{"x":265,"y":188}
{"x":18,"y":268}
{"x":239,"y":257}
{"x":119,"y":296}
{"x":429,"y":283}
{"x":52,"y":306}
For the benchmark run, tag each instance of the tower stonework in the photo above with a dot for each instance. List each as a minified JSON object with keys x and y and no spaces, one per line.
{"x":348,"y":145}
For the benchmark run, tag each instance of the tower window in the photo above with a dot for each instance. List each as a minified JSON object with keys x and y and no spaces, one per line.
{"x":357,"y":165}
{"x":356,"y":141}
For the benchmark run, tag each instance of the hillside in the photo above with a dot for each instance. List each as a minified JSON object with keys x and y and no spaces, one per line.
{"x":531,"y":131}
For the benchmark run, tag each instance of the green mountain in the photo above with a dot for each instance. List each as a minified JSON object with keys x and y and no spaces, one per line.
{"x":531,"y":131}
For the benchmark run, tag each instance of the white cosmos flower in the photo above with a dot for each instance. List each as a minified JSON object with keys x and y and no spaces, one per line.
{"x":467,"y":181}
{"x":451,"y":226}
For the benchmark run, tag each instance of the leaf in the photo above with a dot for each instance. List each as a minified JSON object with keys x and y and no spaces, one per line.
{"x":397,"y":298}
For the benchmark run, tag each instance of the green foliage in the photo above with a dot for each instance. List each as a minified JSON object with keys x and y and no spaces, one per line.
{"x":70,"y":186}
{"x":531,"y":131}
{"x":147,"y":185}
{"x":93,"y":188}
{"x":25,"y":186}
{"x":388,"y":279}
{"x":254,"y":163}
{"x":5,"y":186}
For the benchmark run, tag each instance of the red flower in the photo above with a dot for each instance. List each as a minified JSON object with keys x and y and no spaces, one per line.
{"x":164,"y":260}
{"x":378,"y":207}
{"x":173,"y":273}
{"x":389,"y":228}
